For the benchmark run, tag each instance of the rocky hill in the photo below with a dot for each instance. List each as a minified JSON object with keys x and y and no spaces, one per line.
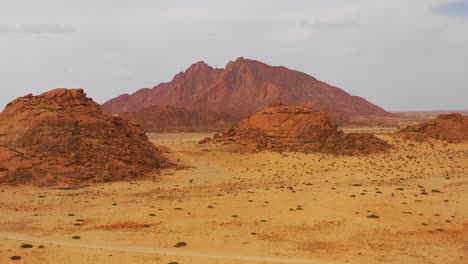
{"x":452,"y":127}
{"x":242,"y":88}
{"x":62,"y":136}
{"x":283,"y":128}
{"x":162,"y":119}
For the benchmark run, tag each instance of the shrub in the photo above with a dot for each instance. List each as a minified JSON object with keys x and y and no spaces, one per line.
{"x":180,"y":244}
{"x":373,"y":216}
{"x":25,"y":245}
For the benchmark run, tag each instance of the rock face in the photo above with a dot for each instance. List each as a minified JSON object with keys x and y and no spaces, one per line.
{"x":242,"y":88}
{"x":64,"y":137}
{"x":286,"y":128}
{"x":451,"y":127}
{"x":157,"y":119}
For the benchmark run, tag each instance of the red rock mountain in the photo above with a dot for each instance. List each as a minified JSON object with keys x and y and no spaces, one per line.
{"x":289,"y":128}
{"x":161,"y":119}
{"x":64,"y":137}
{"x":242,"y":88}
{"x":451,"y":127}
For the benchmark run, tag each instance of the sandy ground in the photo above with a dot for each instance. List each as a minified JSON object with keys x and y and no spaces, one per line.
{"x":408,"y":206}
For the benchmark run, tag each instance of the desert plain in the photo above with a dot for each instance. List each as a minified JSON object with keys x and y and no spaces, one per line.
{"x":408,"y":205}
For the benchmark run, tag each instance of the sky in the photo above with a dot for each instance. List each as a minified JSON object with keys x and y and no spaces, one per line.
{"x":403,"y":55}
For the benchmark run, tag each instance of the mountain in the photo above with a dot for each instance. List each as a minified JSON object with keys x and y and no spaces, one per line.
{"x":242,"y":88}
{"x":157,"y":119}
{"x":62,"y":136}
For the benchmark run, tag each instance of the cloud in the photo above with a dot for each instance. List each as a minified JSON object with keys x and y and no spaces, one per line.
{"x":36,"y":29}
{"x":458,"y":8}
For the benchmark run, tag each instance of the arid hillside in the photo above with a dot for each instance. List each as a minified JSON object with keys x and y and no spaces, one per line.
{"x":160,"y":119}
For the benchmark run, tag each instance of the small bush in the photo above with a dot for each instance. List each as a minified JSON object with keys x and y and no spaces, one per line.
{"x":25,"y":245}
{"x":180,"y":244}
{"x":76,"y":237}
{"x":373,"y":216}
{"x":15,"y":258}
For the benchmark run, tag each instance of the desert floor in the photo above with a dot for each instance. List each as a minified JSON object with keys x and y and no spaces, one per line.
{"x":408,"y":206}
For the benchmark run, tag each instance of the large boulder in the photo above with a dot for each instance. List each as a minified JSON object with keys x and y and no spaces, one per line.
{"x":290,"y":128}
{"x":452,"y":127}
{"x":62,"y":136}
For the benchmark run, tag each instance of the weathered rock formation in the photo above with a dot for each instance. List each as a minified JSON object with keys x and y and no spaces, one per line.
{"x":157,"y":119}
{"x":64,"y":137}
{"x":287,"y":128}
{"x":451,"y":127}
{"x":242,"y":88}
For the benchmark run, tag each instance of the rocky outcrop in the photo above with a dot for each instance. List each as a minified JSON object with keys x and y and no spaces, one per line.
{"x":242,"y":88}
{"x":451,"y":127}
{"x":64,"y":137}
{"x":283,"y":128}
{"x":162,"y":119}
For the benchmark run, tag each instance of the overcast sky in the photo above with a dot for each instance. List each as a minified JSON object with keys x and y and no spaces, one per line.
{"x":398,"y":54}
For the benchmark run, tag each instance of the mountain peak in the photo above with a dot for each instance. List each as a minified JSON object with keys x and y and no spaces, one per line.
{"x":197,"y":67}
